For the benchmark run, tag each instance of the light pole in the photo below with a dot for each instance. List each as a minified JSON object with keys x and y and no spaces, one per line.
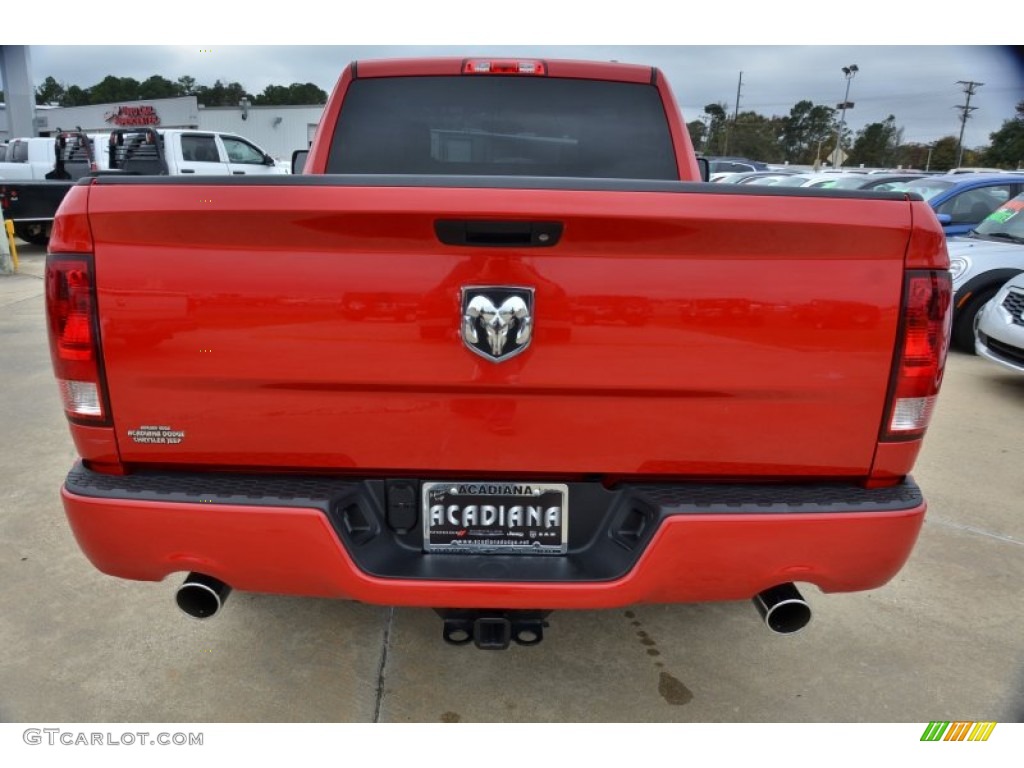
{"x":849,"y":72}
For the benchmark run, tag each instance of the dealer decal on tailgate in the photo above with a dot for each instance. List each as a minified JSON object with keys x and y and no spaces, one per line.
{"x":157,"y":435}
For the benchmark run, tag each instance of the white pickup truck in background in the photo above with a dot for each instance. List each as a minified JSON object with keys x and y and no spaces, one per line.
{"x":40,"y":171}
{"x":28,"y":158}
{"x":177,"y":152}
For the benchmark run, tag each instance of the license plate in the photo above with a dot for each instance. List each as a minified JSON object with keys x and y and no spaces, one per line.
{"x":500,"y":517}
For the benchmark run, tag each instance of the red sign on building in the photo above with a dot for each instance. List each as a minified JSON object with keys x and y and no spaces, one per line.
{"x":145,"y":115}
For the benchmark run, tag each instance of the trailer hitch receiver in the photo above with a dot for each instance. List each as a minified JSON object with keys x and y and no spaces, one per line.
{"x":492,"y":630}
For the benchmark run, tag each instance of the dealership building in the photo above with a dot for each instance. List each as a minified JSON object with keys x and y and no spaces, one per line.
{"x":277,"y":130}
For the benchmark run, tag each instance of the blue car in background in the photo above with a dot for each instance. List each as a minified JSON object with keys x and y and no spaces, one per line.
{"x":963,"y":200}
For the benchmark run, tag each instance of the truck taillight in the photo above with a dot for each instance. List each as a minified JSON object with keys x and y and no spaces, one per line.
{"x":921,"y":355}
{"x":503,"y":67}
{"x":74,"y":338}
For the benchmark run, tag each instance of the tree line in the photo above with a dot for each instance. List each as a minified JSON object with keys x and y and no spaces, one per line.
{"x":808,"y":134}
{"x":113,"y":89}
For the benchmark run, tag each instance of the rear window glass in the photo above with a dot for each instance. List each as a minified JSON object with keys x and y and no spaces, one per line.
{"x":499,"y":126}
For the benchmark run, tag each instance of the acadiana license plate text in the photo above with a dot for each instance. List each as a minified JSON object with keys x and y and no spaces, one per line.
{"x":519,"y":518}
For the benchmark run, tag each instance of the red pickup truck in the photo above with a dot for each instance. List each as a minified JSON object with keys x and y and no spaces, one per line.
{"x":498,"y":351}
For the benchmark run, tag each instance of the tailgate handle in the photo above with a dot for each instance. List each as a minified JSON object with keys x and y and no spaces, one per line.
{"x":498,"y":234}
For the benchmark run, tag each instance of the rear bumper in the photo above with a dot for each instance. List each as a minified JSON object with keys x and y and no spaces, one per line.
{"x":643,"y":543}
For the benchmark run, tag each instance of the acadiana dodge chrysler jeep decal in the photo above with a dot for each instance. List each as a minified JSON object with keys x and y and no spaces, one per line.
{"x":159,"y":435}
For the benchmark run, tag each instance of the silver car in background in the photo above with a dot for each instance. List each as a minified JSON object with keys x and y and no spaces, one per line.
{"x":981,"y":262}
{"x":999,"y":334}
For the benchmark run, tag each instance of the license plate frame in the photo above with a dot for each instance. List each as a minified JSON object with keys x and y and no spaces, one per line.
{"x":509,"y":518}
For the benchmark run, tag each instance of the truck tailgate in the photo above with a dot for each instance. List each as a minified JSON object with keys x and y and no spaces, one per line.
{"x":675,"y":333}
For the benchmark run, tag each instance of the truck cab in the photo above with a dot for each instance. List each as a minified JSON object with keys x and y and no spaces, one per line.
{"x":220,"y":154}
{"x":176,"y":152}
{"x":28,"y":158}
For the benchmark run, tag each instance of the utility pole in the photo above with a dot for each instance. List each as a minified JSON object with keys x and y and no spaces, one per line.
{"x":735,"y":115}
{"x":739,"y":87}
{"x":838,"y":158}
{"x":965,"y":112}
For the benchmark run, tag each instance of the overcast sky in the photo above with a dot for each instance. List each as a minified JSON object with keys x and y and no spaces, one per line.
{"x":916,"y":83}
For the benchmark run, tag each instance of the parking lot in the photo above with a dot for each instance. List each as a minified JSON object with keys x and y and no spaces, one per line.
{"x":942,"y":641}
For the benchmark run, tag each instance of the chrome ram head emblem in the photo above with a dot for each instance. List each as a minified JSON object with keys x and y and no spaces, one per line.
{"x":497,"y":322}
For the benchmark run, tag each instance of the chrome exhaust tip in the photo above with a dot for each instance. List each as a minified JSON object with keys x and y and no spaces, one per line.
{"x":201,"y":596}
{"x":783,"y":609}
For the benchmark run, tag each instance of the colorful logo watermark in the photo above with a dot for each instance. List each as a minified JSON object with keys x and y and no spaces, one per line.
{"x":958,"y":731}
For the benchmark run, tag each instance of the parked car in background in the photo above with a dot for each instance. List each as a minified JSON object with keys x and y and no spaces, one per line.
{"x":1000,"y":331}
{"x":733,"y":177}
{"x":778,"y":179}
{"x":963,"y":200}
{"x":734,"y":165}
{"x":750,"y":177}
{"x":774,"y":178}
{"x":821,"y":179}
{"x":981,"y":263}
{"x":977,"y":170}
{"x":881,"y":182}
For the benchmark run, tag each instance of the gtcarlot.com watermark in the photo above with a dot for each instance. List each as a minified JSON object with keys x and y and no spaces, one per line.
{"x":59,"y":737}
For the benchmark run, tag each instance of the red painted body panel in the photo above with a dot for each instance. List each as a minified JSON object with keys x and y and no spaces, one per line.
{"x":289,"y":551}
{"x":928,"y":242}
{"x":71,"y":232}
{"x":288,"y":331}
